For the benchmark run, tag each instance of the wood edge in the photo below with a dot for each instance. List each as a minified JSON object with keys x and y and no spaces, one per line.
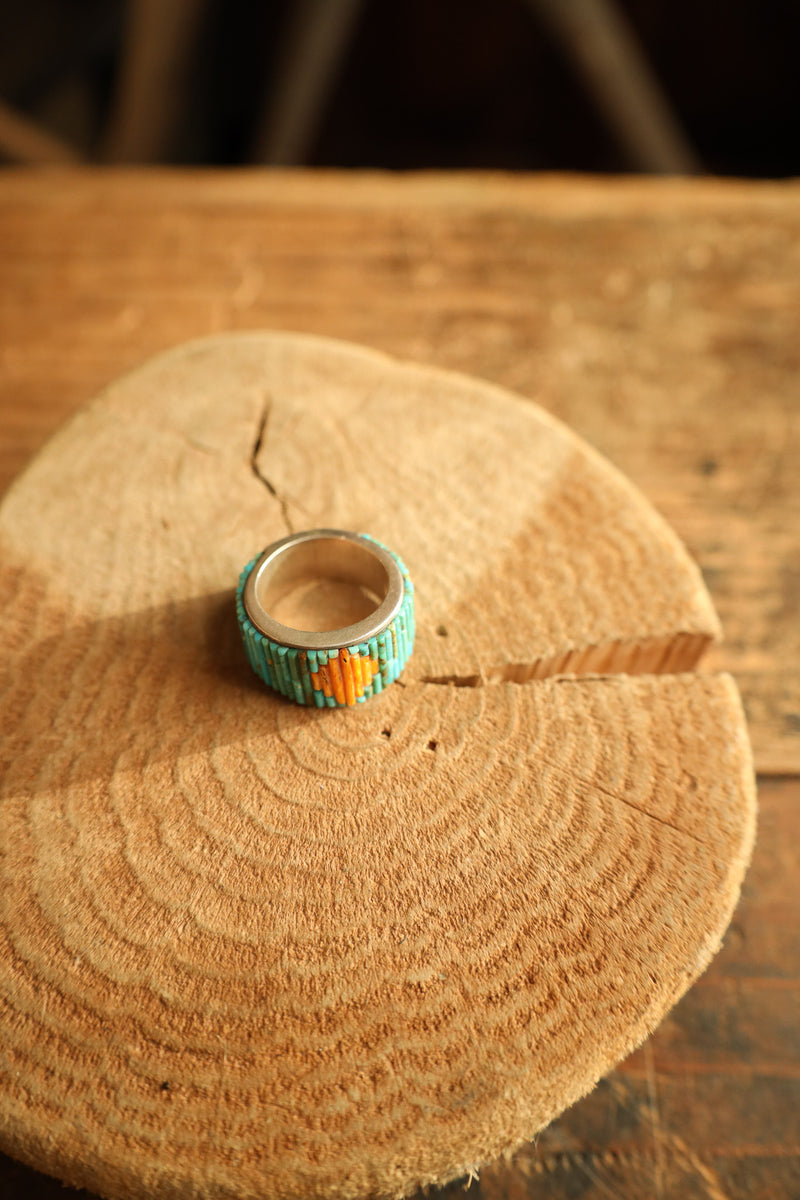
{"x":560,"y":195}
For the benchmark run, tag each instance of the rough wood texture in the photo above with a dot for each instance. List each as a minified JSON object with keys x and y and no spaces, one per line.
{"x":353,"y":954}
{"x":707,"y":1108}
{"x":657,"y":318}
{"x":249,"y":948}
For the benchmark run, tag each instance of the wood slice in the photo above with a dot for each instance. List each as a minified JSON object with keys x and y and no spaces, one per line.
{"x":250,"y":949}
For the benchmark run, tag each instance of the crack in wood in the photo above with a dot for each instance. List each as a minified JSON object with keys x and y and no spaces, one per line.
{"x":669,"y":654}
{"x":258,"y":445}
{"x":571,"y":777}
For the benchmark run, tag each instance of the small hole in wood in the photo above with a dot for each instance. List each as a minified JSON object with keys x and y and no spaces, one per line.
{"x":387,"y":733}
{"x":441,"y":630}
{"x":432,"y":744}
{"x":165,"y":1086}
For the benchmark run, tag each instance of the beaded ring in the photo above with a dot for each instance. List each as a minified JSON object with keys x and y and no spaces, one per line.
{"x":327,"y":667}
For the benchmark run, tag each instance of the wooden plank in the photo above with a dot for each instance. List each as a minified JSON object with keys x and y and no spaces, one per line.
{"x":656,"y":318}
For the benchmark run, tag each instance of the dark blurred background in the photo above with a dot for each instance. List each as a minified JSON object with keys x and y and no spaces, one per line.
{"x":589,"y":85}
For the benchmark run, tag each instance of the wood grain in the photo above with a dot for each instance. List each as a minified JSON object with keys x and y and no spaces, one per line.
{"x":707,"y":1105}
{"x":656,"y":318}
{"x":248,"y":947}
{"x":707,"y":1108}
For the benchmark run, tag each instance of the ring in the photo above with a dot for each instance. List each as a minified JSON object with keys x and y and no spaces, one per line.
{"x":291,"y":593}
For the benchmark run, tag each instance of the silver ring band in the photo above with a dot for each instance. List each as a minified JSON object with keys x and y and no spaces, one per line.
{"x":324,"y":553}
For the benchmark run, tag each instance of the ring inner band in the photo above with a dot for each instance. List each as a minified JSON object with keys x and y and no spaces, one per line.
{"x":345,"y":574}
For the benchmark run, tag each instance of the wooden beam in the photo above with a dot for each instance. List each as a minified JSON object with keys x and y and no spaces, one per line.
{"x":24,"y":141}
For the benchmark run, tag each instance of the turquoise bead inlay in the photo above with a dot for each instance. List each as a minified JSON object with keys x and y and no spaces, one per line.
{"x":331,"y":678}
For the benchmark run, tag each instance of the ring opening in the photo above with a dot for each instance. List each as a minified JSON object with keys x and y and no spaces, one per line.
{"x":322,"y":584}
